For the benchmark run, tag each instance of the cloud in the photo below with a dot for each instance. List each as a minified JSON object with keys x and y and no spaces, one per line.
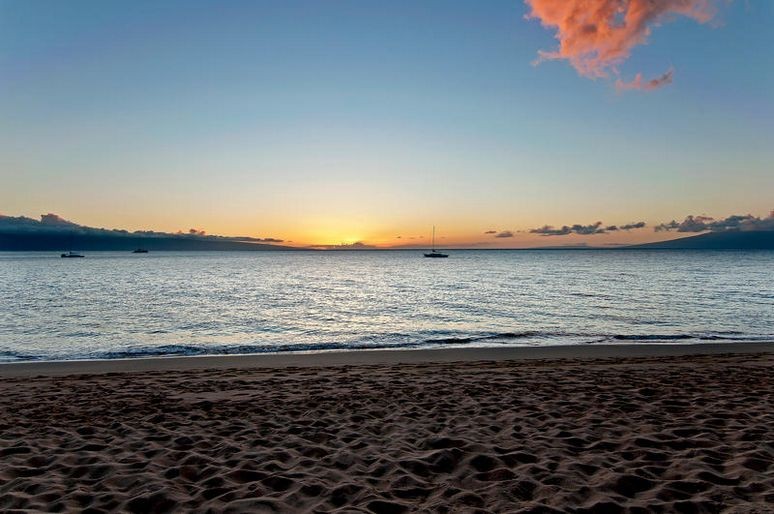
{"x":588,"y":229}
{"x":490,"y":232}
{"x":196,"y":232}
{"x":596,"y":36}
{"x":504,"y":234}
{"x":707,"y":223}
{"x":584,"y":230}
{"x":548,"y":230}
{"x":647,"y":85}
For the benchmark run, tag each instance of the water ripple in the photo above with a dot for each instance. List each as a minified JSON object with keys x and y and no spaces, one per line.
{"x":115,"y":305}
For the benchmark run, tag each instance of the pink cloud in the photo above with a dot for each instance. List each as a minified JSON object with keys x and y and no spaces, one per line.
{"x":595,"y":36}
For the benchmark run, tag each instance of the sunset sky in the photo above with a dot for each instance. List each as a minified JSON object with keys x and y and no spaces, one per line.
{"x":326,"y":122}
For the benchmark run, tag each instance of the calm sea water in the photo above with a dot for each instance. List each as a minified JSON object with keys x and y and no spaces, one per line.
{"x":117,"y":305}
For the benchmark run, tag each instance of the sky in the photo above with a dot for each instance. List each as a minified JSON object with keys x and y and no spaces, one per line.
{"x":330,"y":122}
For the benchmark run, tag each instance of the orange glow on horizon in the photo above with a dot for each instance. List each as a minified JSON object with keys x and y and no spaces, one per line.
{"x":467,"y":239}
{"x":345,"y":232}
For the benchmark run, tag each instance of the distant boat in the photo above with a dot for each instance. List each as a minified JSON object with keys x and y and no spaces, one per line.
{"x":72,"y":255}
{"x":140,"y":250}
{"x":433,"y":253}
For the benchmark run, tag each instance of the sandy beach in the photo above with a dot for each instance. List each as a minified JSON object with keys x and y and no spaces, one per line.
{"x":651,"y":429}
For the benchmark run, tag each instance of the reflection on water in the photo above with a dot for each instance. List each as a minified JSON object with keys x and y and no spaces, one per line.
{"x":120,"y":304}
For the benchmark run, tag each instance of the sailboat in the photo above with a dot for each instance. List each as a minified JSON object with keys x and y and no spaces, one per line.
{"x":71,"y":254}
{"x":433,"y":253}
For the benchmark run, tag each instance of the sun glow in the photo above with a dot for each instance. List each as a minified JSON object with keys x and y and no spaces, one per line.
{"x":329,"y":236}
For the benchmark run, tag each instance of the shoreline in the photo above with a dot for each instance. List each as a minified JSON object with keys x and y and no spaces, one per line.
{"x":377,"y":357}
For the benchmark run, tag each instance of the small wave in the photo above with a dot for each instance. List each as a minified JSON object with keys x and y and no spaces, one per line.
{"x":366,"y":343}
{"x":651,"y":337}
{"x":11,"y":356}
{"x":488,"y":337}
{"x":384,"y":342}
{"x":744,"y":338}
{"x":722,"y":336}
{"x":195,"y":350}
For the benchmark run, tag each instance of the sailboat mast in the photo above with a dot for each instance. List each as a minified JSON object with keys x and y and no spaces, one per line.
{"x":433,"y":237}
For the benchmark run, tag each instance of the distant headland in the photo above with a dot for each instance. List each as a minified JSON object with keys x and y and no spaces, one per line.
{"x":52,"y":233}
{"x":727,"y":240}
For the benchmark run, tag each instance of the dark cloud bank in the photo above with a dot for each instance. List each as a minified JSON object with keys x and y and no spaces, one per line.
{"x":737,"y":232}
{"x":694,"y":224}
{"x":585,"y":230}
{"x":707,"y":224}
{"x":53,"y":233}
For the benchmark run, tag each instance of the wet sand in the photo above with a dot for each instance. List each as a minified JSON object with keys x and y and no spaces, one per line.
{"x":670,"y":429}
{"x":376,"y":357}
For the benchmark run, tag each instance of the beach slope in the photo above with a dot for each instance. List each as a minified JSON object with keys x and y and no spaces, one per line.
{"x":688,"y":433}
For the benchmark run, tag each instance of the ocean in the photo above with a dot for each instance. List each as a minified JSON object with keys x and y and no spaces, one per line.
{"x":121,"y":305}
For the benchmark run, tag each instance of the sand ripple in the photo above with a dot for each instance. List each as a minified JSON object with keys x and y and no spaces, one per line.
{"x":669,"y":434}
